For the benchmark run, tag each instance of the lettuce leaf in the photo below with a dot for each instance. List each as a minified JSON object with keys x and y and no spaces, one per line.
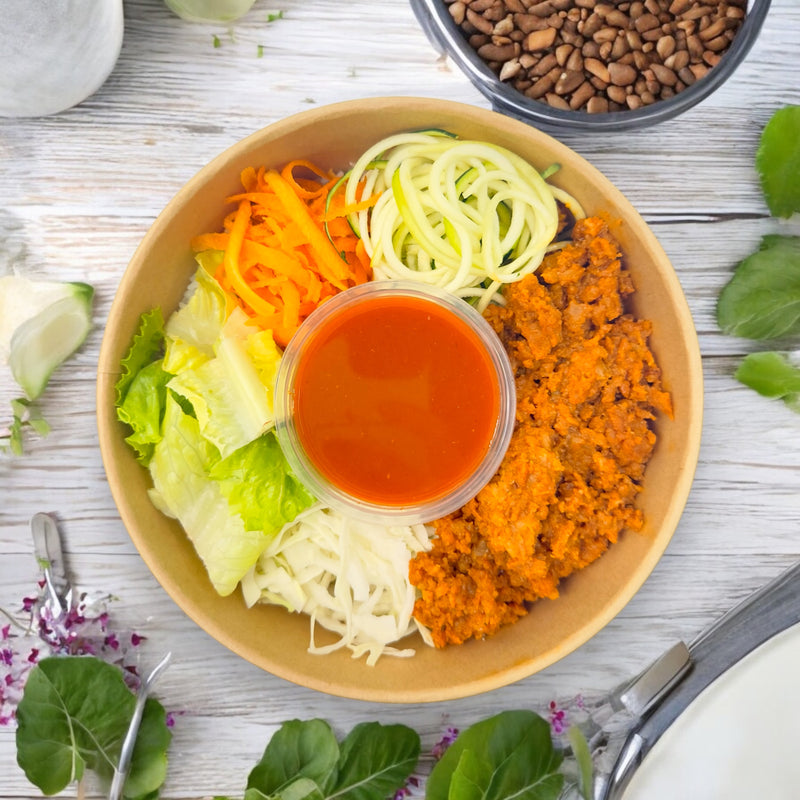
{"x":143,"y":409}
{"x":259,"y":485}
{"x":147,"y":346}
{"x":183,"y":489}
{"x":195,"y":327}
{"x":232,"y":404}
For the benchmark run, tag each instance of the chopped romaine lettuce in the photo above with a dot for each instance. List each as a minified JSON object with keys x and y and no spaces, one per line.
{"x":232,"y":404}
{"x":199,"y":417}
{"x":147,"y":346}
{"x":260,"y":487}
{"x":183,"y":489}
{"x":194,"y":328}
{"x":143,"y":409}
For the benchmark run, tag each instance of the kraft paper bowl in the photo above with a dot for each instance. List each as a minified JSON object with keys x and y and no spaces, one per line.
{"x":276,"y":640}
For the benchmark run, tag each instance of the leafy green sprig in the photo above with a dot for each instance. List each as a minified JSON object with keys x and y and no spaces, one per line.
{"x":25,"y":414}
{"x":762,"y":299}
{"x":75,"y":711}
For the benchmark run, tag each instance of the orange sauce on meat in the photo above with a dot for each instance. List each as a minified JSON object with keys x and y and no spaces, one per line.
{"x":396,"y":400}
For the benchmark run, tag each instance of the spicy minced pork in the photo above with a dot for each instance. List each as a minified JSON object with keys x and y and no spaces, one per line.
{"x":587,"y":388}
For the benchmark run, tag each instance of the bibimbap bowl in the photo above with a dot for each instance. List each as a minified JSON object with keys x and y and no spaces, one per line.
{"x":277,"y":640}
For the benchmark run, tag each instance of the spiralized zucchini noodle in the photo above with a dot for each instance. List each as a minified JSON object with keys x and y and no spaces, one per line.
{"x":463,"y":215}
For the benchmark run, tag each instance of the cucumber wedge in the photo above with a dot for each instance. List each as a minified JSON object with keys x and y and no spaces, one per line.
{"x":50,"y":334}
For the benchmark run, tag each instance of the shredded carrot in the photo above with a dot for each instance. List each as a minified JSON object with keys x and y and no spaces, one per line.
{"x":288,"y":245}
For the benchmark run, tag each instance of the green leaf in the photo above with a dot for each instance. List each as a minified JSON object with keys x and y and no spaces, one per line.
{"x":259,"y":485}
{"x":183,"y":489}
{"x":518,"y":749}
{"x":299,"y":749}
{"x":778,"y":162}
{"x":772,"y":375}
{"x":147,"y":346}
{"x":25,"y":414}
{"x":375,"y":761}
{"x":762,"y":299}
{"x":301,"y":789}
{"x":583,"y":759}
{"x":73,"y":716}
{"x":470,"y":777}
{"x":230,"y":396}
{"x":143,"y":409}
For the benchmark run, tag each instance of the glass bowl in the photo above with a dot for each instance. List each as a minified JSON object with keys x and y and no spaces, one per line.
{"x":365,"y":416}
{"x":447,"y":37}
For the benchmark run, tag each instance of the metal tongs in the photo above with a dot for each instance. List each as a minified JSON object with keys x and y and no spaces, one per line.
{"x":657,"y":697}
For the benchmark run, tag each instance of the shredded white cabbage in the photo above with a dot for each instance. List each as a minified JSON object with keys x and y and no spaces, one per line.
{"x":348,"y":575}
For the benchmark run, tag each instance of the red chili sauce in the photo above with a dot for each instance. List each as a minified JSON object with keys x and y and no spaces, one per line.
{"x":396,"y":400}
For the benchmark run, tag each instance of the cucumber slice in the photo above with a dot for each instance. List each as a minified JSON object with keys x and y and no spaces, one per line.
{"x":50,"y":335}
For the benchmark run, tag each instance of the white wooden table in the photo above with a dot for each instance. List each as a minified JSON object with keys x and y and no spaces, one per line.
{"x":78,"y":191}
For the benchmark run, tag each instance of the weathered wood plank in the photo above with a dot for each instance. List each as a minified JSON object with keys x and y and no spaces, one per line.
{"x":79,"y":190}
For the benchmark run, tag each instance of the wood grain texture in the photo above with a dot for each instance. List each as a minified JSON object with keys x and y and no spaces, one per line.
{"x":81,"y":188}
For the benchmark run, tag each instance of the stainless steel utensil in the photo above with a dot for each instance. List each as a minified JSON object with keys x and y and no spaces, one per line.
{"x":122,"y":768}
{"x":47,"y":547}
{"x":766,"y":612}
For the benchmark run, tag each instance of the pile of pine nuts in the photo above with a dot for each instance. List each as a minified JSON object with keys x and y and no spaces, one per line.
{"x":599,"y":55}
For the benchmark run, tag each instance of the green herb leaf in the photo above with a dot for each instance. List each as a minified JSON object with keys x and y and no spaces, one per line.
{"x":518,"y":750}
{"x":375,"y":761}
{"x":470,"y":777}
{"x":583,"y":759}
{"x":303,"y":761}
{"x":299,"y":749}
{"x":25,"y":414}
{"x":772,"y":375}
{"x":778,"y":162}
{"x":301,"y":789}
{"x":762,"y":299}
{"x":73,"y":716}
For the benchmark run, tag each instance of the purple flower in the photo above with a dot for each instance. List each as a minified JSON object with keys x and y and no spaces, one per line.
{"x":558,"y":718}
{"x":441,"y":746}
{"x":82,"y":630}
